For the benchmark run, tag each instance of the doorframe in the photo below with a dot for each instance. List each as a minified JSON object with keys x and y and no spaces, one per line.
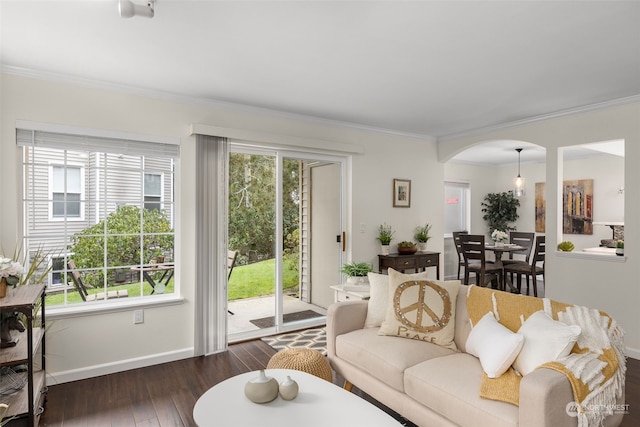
{"x":344,"y":161}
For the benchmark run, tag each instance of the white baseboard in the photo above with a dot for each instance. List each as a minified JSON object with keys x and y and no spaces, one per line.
{"x":633,"y":353}
{"x":54,"y":378}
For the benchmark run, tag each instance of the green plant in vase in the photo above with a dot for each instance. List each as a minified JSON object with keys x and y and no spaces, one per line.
{"x":422,"y":236}
{"x":620,"y":248}
{"x":406,"y":247}
{"x":385,"y":234}
{"x":356,"y":272}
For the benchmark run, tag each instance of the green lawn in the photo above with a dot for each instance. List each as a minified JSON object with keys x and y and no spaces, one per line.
{"x":246,"y":281}
{"x":133,"y":289}
{"x":258,"y":279}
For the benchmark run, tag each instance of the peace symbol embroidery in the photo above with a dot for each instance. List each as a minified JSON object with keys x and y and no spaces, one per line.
{"x":420,"y":307}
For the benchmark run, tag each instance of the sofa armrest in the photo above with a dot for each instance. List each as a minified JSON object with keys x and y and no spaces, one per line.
{"x":544,"y":396}
{"x":343,"y":317}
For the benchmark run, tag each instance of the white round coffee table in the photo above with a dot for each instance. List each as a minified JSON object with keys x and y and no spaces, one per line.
{"x":319,"y":403}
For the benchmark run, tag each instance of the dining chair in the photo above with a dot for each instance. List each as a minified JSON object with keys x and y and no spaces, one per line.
{"x":456,"y":242}
{"x":473,"y":251}
{"x":82,"y":289}
{"x":531,"y":270}
{"x":232,"y":256}
{"x":524,"y":239}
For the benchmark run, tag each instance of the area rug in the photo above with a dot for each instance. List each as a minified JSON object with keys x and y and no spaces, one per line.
{"x":267,"y":322}
{"x":315,"y":339}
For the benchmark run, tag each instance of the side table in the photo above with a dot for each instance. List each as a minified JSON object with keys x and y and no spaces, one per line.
{"x":342,"y":294}
{"x":419,"y":261}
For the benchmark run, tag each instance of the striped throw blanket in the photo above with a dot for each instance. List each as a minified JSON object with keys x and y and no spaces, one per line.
{"x":595,"y":367}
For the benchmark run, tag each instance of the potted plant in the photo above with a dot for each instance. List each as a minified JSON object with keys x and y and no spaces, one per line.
{"x":500,"y":210}
{"x":422,"y":236}
{"x":385,"y":234}
{"x":407,"y":248}
{"x":356,"y":272}
{"x":566,"y":246}
{"x":620,"y":248}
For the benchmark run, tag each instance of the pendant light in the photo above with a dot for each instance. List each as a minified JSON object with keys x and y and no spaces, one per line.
{"x":518,"y":182}
{"x":128,"y":9}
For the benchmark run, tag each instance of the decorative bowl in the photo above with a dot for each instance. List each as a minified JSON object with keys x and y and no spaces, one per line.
{"x":407,"y":250}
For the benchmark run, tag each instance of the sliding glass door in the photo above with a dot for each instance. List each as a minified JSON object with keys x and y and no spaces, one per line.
{"x":285,"y":222}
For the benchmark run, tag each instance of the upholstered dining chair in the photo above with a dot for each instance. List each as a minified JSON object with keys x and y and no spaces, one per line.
{"x":473,"y":251}
{"x":531,"y":270}
{"x":456,"y":242}
{"x":524,"y":239}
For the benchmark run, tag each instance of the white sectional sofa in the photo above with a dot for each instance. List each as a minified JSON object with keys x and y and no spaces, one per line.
{"x":432,"y":385}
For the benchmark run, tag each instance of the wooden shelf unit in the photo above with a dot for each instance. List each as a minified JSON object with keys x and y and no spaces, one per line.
{"x":27,"y":404}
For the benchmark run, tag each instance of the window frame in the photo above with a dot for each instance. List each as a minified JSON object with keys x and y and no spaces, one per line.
{"x":66,"y":166}
{"x":167,"y":149}
{"x":160,"y":196}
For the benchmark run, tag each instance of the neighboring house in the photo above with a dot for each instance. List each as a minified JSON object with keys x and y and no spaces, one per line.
{"x":69,"y":190}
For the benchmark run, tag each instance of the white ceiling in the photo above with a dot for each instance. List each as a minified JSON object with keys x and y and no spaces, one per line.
{"x":427,"y":68}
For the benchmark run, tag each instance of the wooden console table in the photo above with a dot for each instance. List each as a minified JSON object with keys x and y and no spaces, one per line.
{"x":419,"y":261}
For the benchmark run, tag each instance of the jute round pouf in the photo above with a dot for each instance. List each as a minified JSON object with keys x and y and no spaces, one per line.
{"x":302,"y":359}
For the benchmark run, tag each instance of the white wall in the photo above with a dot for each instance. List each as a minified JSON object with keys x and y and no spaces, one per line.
{"x":606,"y":283}
{"x":79,"y":347}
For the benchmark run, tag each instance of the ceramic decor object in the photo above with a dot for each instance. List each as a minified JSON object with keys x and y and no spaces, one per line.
{"x":261,"y":389}
{"x":288,"y":389}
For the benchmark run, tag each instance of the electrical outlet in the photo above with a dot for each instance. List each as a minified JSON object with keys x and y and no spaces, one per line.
{"x":363,"y":228}
{"x":138,"y":317}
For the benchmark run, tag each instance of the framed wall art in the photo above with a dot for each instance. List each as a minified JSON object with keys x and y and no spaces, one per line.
{"x":577,"y":206}
{"x":541,"y":207}
{"x":401,"y":193}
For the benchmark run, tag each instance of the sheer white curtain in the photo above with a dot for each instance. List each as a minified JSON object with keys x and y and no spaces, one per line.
{"x":211,"y":245}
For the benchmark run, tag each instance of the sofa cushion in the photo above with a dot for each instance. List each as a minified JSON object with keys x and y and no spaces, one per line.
{"x":378,"y":297}
{"x":545,"y":340}
{"x":385,"y":357}
{"x":421,"y":309}
{"x":449,"y":386}
{"x":496,"y":346}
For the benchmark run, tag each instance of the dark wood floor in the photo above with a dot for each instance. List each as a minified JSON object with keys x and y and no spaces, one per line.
{"x":164,"y":395}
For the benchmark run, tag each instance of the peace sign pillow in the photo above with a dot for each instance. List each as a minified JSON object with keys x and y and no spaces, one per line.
{"x":421,"y":309}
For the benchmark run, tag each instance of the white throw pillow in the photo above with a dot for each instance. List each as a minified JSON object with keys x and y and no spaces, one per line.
{"x":378,"y":297}
{"x":421,"y":309}
{"x":545,"y":340}
{"x":495,"y":345}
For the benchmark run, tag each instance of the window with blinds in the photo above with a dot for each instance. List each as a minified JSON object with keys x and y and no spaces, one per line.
{"x":102,"y":210}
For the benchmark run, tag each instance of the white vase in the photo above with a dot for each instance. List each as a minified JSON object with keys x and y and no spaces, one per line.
{"x":422,"y":246}
{"x":384,"y":249}
{"x":358,"y":280}
{"x":261,"y":389}
{"x":288,"y":389}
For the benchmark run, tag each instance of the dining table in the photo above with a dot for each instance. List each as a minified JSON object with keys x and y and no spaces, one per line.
{"x":498,"y":250}
{"x":158,"y":286}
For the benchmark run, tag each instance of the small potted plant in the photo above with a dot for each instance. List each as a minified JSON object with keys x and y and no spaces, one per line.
{"x":407,"y":248}
{"x":385,"y":234}
{"x":620,"y":248}
{"x":422,"y":236}
{"x":566,"y":246}
{"x":356,"y":272}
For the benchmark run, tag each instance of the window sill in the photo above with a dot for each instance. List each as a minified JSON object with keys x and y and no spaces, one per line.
{"x":592,"y":256}
{"x":111,"y":306}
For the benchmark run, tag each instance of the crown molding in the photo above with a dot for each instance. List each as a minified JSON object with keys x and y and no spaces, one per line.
{"x":563,"y":113}
{"x":205,"y":102}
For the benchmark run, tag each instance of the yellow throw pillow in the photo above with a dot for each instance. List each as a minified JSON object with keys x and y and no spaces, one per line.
{"x":421,"y":309}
